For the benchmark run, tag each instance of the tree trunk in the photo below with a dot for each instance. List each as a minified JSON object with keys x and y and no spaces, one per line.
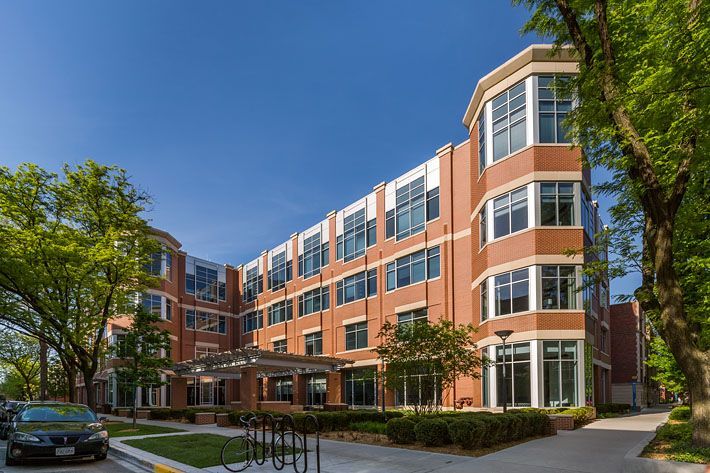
{"x":135,"y":404}
{"x":678,"y":333}
{"x":89,"y":387}
{"x":70,"y":371}
{"x":43,"y":370}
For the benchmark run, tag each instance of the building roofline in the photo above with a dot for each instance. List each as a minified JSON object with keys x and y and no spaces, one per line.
{"x":163,"y":234}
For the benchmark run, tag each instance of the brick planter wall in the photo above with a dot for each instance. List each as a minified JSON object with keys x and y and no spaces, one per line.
{"x":202,"y":418}
{"x":561,"y":422}
{"x":222,"y":420}
{"x":142,"y":414}
{"x":124,"y":412}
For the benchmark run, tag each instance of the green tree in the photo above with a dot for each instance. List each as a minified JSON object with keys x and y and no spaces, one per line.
{"x":140,"y":352}
{"x":667,"y":372}
{"x":20,"y":353}
{"x":429,"y":358}
{"x":643,"y":114}
{"x":72,"y":256}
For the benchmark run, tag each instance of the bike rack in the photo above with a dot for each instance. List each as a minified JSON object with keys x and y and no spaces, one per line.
{"x":284,"y":425}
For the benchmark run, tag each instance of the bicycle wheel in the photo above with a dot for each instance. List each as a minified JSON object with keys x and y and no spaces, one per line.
{"x":290,"y":442}
{"x":238,"y":453}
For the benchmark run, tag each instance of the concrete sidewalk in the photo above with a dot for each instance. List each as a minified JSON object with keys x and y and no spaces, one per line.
{"x":599,"y":447}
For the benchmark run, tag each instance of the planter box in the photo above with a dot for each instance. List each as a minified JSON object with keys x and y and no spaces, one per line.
{"x":203,"y":418}
{"x":124,"y":412}
{"x":561,"y":422}
{"x":142,"y":414}
{"x":274,"y":406}
{"x":335,"y":407}
{"x":222,"y":420}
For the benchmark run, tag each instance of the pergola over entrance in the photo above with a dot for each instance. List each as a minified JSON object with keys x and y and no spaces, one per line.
{"x":248,"y":364}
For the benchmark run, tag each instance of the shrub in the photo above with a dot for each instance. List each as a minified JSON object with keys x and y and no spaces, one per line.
{"x":581,"y":415}
{"x":401,"y":430}
{"x":468,"y":432}
{"x":613,"y":408}
{"x":369,"y":427}
{"x":494,"y":428}
{"x":432,"y":432}
{"x":680,"y":413}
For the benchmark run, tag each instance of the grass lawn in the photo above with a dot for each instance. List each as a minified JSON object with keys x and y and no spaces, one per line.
{"x":125,"y":429}
{"x":673,"y":442}
{"x":198,"y":450}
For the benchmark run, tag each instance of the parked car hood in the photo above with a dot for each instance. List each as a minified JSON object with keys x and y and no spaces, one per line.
{"x":48,"y":428}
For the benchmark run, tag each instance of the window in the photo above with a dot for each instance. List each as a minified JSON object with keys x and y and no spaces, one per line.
{"x":168,"y":265}
{"x":413,"y":268}
{"x":252,"y":321}
{"x":512,"y":292}
{"x":361,"y":387}
{"x":314,"y":301}
{"x":588,"y":217}
{"x":482,"y":142}
{"x":517,"y":374}
{"x":432,"y":204}
{"x":314,"y":343}
{"x":353,"y":242}
{"x":253,"y":284}
{"x":280,"y":312}
{"x":152,"y":304}
{"x":509,"y":121}
{"x":484,"y":300}
{"x":410,"y":209}
{"x":552,"y":110}
{"x":189,"y":283}
{"x":556,"y":204}
{"x":205,"y":283}
{"x":280,"y":272}
{"x":281,"y":346}
{"x":356,"y":287}
{"x":422,"y":387}
{"x":389,"y":224}
{"x":603,"y":296}
{"x":510,"y":212}
{"x":560,"y":373}
{"x":284,"y":389}
{"x":559,"y":288}
{"x":602,"y":340}
{"x":483,"y":227}
{"x":314,"y":256}
{"x":315,"y":390}
{"x":202,"y":351}
{"x":168,"y":309}
{"x":356,"y":336}
{"x":205,"y":321}
{"x":413,"y":316}
{"x":154,"y":266}
{"x":119,"y":343}
{"x":371,"y":232}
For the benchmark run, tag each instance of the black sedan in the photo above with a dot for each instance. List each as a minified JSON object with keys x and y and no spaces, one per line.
{"x":55,"y":430}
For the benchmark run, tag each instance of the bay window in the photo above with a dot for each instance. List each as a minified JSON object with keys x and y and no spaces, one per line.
{"x":508,"y":114}
{"x":553,"y":108}
{"x":512,"y":292}
{"x":556,"y":203}
{"x":560,"y":373}
{"x":510,"y":212}
{"x":559,"y":287}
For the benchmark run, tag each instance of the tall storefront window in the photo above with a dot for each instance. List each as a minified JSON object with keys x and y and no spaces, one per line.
{"x":284,"y":389}
{"x":560,"y":373}
{"x":315,"y":390}
{"x":361,"y":387}
{"x":517,"y":376}
{"x":423,"y":388}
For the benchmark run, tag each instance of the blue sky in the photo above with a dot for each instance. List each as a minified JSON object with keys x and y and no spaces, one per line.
{"x":246,"y":121}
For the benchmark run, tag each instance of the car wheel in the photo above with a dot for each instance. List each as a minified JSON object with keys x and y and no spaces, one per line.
{"x":10,"y":461}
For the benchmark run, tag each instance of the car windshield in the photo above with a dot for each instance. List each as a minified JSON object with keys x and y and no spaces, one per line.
{"x":60,"y":413}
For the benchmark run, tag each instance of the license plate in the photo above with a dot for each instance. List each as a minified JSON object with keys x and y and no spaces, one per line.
{"x":64,"y":451}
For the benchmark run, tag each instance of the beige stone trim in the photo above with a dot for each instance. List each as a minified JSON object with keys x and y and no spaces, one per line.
{"x":308,"y":331}
{"x":535,"y":59}
{"x":363,"y":363}
{"x":355,"y":351}
{"x":278,"y":338}
{"x":206,"y":309}
{"x":606,"y":366}
{"x":523,"y":180}
{"x":207,"y":344}
{"x":355,"y":320}
{"x":533,"y":335}
{"x":413,"y":306}
{"x":533,"y":260}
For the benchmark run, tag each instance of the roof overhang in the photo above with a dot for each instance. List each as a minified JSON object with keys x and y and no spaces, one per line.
{"x":536,"y":58}
{"x":229,"y":364}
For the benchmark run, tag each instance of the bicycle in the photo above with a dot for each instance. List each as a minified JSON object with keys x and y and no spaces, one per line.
{"x":239,"y":452}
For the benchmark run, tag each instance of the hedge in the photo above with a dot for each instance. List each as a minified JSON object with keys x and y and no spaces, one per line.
{"x":401,"y":430}
{"x":581,"y":415}
{"x":432,"y":432}
{"x":342,"y":420}
{"x":468,"y":432}
{"x":680,"y":413}
{"x":613,"y":408}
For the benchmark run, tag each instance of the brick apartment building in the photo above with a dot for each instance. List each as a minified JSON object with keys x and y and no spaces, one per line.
{"x":630,"y":380}
{"x":476,"y":234}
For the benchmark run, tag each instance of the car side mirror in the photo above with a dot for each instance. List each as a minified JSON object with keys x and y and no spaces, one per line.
{"x":103,"y":420}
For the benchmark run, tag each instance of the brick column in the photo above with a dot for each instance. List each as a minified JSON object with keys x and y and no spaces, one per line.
{"x":334,"y":392}
{"x":178,"y":393}
{"x":248,"y":389}
{"x":270,"y":394}
{"x":299,"y":389}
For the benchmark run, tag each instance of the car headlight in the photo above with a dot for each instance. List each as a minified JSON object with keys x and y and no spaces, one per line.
{"x":99,"y":435}
{"x":23,"y":437}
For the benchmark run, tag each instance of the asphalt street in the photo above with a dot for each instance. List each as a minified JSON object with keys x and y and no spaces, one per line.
{"x":108,"y":465}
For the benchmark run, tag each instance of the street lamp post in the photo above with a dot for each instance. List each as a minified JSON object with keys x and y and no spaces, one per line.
{"x":503,"y":335}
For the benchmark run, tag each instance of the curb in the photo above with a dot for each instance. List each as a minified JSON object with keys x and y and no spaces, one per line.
{"x":142,"y":462}
{"x":635,"y":464}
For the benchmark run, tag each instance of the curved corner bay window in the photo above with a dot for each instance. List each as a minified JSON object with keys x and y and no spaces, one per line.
{"x":559,"y":287}
{"x":556,"y":203}
{"x":512,"y":292}
{"x":517,"y":374}
{"x":484,"y":300}
{"x":361,"y":387}
{"x":509,"y":121}
{"x":560,"y":373}
{"x":510,"y":212}
{"x":553,"y":108}
{"x":482,"y":142}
